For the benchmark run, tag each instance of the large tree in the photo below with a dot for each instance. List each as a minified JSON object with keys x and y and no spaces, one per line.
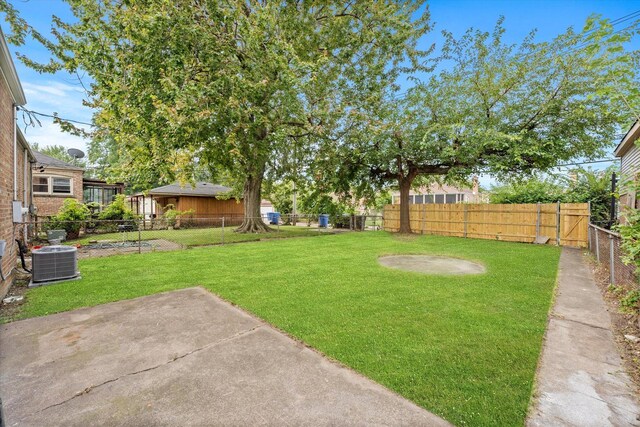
{"x":227,"y":84}
{"x":498,"y":108}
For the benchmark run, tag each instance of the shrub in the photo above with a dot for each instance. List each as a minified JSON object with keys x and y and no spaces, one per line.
{"x":630,"y":300}
{"x":117,"y":210}
{"x":630,"y":233}
{"x":172,"y":215}
{"x":70,"y":217}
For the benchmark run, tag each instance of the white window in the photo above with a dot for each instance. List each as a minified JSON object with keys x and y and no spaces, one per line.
{"x":52,"y":185}
{"x":40,"y":184}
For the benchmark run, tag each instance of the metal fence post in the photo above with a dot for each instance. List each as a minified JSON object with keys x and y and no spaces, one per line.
{"x":612,"y":258}
{"x":597,"y":232}
{"x":140,"y":238}
{"x":222,"y":234}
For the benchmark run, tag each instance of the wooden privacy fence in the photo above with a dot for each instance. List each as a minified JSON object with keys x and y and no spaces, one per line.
{"x":563,"y":223}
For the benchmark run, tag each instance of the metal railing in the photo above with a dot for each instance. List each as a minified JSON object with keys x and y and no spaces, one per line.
{"x":605,"y":247}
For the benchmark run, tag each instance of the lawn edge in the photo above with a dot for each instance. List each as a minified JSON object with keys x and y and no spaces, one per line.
{"x":535,"y":392}
{"x":315,"y":350}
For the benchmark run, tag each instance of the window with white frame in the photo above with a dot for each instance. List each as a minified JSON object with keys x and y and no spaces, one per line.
{"x":52,"y":185}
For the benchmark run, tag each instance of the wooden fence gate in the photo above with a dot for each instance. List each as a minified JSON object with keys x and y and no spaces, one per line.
{"x":562,"y":223}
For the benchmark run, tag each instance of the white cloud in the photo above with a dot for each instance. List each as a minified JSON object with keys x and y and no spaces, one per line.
{"x":49,"y":96}
{"x":51,"y":87}
{"x":50,"y":134}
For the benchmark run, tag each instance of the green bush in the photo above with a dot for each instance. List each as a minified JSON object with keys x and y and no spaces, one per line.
{"x":630,"y":300}
{"x":117,"y":210}
{"x":630,"y":233}
{"x":172,"y":215}
{"x":580,"y":186}
{"x":70,"y":218}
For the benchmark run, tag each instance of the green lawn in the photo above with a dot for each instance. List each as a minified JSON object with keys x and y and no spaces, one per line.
{"x":201,"y":236}
{"x":465,"y":348}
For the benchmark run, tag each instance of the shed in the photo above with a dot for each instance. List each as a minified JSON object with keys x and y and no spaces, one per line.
{"x":209,"y":202}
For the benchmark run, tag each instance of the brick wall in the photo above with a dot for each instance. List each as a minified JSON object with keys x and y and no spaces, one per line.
{"x":9,"y":231}
{"x":50,"y":204}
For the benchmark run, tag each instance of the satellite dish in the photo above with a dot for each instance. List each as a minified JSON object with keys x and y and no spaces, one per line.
{"x":75,"y":153}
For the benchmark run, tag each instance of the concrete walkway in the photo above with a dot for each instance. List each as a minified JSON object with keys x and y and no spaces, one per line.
{"x":581,"y":381}
{"x":180,"y":358}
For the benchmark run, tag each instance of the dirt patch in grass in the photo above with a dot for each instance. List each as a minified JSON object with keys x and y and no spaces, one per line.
{"x":404,"y":237}
{"x":9,"y":311}
{"x":624,"y":321}
{"x":429,"y":264}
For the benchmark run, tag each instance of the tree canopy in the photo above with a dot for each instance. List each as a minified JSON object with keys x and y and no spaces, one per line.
{"x":179,"y":83}
{"x":498,"y":108}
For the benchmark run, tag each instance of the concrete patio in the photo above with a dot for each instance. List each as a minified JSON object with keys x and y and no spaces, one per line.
{"x":180,"y":358}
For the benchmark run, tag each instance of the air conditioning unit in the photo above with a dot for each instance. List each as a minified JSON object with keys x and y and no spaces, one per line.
{"x":53,"y":263}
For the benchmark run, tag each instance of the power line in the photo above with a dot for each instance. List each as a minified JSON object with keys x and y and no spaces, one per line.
{"x":587,"y":163}
{"x":54,"y":117}
{"x":613,"y":23}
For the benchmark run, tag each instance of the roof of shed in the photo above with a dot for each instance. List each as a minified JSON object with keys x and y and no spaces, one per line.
{"x":201,"y":189}
{"x":628,"y":140}
{"x":44,"y":160}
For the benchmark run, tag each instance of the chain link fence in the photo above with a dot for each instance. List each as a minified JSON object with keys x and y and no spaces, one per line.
{"x":98,"y":238}
{"x":605,"y":247}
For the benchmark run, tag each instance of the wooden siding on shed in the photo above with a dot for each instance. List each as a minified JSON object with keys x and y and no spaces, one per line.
{"x":630,"y":164}
{"x":205,"y":207}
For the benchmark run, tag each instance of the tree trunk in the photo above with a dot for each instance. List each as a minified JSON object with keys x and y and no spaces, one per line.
{"x":405,"y":221}
{"x":252,"y":222}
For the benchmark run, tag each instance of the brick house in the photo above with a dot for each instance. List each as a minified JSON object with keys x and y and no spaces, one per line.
{"x":54,"y":181}
{"x":15,"y":167}
{"x":443,"y":194}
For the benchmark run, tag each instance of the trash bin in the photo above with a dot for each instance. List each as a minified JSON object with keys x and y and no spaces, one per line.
{"x":323,"y":220}
{"x":273,"y":217}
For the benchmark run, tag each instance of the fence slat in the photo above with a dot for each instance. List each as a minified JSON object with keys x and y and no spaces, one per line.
{"x":565,"y":223}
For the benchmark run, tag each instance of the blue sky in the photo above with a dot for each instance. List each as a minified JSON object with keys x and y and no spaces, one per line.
{"x":62,"y":93}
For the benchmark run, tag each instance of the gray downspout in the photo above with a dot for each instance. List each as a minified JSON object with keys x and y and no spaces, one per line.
{"x":15,"y":152}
